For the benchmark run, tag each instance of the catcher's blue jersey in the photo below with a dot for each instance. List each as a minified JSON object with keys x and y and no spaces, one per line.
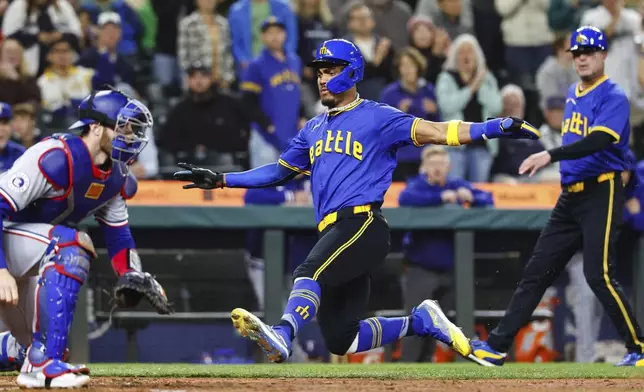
{"x":602,"y":107}
{"x":350,"y":153}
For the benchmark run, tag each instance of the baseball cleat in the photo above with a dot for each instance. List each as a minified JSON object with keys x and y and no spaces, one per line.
{"x":276,"y":346}
{"x":632,"y":359}
{"x":484,"y":355}
{"x":39,"y":371}
{"x":428,"y":319}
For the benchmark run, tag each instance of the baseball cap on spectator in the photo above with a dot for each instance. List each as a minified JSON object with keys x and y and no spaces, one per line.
{"x":5,"y":112}
{"x":555,"y":103}
{"x":109,"y":17}
{"x":272,"y":21}
{"x":419,"y":20}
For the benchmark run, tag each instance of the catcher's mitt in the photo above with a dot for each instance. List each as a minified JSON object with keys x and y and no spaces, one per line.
{"x":134,"y":285}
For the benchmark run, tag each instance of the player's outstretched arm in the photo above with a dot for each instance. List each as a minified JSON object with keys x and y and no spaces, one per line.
{"x":456,"y":133}
{"x":264,"y":176}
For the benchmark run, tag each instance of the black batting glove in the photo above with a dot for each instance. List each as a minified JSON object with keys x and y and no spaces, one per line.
{"x":200,"y":177}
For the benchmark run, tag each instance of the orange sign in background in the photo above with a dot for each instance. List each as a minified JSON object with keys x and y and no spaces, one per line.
{"x":171,"y":193}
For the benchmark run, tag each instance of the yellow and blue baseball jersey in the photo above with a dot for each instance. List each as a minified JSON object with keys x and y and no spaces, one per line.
{"x":350,"y":153}
{"x":278,"y":84}
{"x":602,"y":107}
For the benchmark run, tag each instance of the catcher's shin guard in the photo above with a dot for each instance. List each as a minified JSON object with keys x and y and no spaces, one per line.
{"x":63,"y":271}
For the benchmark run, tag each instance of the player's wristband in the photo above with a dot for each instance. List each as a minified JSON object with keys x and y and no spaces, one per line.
{"x":485,"y":130}
{"x":126,"y":260}
{"x":452,"y":133}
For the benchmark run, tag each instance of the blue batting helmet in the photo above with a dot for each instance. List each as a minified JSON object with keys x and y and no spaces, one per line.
{"x":128,"y":117}
{"x":6,"y":113}
{"x":336,"y":52}
{"x":588,"y":37}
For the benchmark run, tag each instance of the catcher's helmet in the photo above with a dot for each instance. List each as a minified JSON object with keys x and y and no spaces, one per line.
{"x":336,"y":52}
{"x":128,"y":117}
{"x":588,"y":37}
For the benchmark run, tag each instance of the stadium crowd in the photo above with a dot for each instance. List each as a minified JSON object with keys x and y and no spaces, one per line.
{"x":228,"y":83}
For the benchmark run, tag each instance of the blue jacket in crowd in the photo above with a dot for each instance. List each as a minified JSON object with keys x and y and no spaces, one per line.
{"x":10,"y":154}
{"x":434,"y":250}
{"x":107,"y":71}
{"x":240,"y":22}
{"x":298,"y":243}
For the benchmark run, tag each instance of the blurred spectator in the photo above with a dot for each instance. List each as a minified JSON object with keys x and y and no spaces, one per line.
{"x":89,"y":32}
{"x":24,"y":125}
{"x":166,"y":66}
{"x":565,"y":15}
{"x":621,"y":26}
{"x":246,"y":18}
{"x":271,"y":87}
{"x":131,"y":26}
{"x":429,"y":255}
{"x":487,"y":29}
{"x":10,"y":151}
{"x":453,"y":16}
{"x":551,"y":135}
{"x":111,"y":68}
{"x":390,"y":16}
{"x":432,"y":42}
{"x":557,"y":73}
{"x":145,"y":11}
{"x":411,"y":94}
{"x":63,"y":85}
{"x":36,"y":24}
{"x":147,"y":163}
{"x":336,"y":6}
{"x":467,"y":91}
{"x":4,"y":4}
{"x":527,"y":37}
{"x":16,"y":85}
{"x":204,"y":37}
{"x":513,"y":151}
{"x":314,"y":25}
{"x":376,"y":50}
{"x":206,"y":120}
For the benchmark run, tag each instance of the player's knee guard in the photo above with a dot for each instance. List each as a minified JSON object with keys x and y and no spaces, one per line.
{"x":63,"y":271}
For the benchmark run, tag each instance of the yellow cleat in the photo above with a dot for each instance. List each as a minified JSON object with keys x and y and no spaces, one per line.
{"x":276,"y":346}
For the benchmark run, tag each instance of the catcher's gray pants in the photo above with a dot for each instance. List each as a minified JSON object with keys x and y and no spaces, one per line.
{"x":419,"y":284}
{"x":24,"y":247}
{"x":586,"y":309}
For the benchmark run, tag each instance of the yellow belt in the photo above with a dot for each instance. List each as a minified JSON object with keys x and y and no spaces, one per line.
{"x":579,"y":186}
{"x":333,"y":217}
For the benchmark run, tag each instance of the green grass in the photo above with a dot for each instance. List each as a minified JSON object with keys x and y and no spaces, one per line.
{"x":381,"y":371}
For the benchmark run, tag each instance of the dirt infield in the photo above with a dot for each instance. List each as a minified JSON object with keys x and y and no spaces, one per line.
{"x":113,"y":384}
